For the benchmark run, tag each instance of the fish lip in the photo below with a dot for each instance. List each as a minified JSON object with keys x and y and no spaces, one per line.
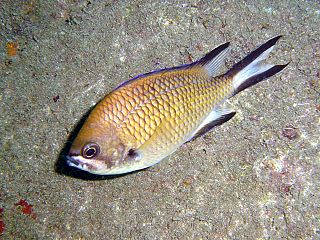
{"x":77,"y":162}
{"x":72,"y":162}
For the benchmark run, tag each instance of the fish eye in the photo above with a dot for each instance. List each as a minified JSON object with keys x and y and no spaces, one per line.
{"x":90,"y":150}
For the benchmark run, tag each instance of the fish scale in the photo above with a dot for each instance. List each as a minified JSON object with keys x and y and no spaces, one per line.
{"x":174,"y":96}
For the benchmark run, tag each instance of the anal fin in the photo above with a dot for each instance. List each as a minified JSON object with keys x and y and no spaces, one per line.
{"x":215,"y":118}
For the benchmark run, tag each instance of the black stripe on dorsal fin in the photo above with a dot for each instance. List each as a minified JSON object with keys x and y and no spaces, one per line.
{"x":213,"y":60}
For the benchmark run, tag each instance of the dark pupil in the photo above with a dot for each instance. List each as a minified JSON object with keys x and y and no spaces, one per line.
{"x":90,"y":152}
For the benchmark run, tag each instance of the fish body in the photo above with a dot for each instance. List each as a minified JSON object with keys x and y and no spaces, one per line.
{"x":148,"y":117}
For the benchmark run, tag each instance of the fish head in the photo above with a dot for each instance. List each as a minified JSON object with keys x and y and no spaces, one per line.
{"x":98,"y":149}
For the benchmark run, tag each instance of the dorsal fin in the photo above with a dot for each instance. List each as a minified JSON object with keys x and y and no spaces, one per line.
{"x":213,"y":60}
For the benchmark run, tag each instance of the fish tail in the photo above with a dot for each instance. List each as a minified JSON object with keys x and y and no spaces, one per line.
{"x":253,"y":68}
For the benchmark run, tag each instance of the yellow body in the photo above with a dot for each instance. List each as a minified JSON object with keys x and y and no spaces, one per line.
{"x":154,"y":115}
{"x":158,"y":113}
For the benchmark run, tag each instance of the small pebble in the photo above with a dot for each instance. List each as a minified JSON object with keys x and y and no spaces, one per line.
{"x":290,"y":132}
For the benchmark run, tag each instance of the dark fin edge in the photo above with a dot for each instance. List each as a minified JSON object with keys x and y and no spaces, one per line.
{"x":211,"y":55}
{"x":211,"y":125}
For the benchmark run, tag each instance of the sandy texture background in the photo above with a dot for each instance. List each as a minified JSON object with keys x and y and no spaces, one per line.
{"x":255,"y":177}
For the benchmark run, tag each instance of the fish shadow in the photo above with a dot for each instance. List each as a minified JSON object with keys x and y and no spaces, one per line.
{"x":62,"y":168}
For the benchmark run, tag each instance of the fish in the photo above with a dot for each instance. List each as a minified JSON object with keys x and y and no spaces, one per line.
{"x":148,"y":117}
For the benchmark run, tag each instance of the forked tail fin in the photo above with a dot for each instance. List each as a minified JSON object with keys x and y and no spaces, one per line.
{"x":253,"y":68}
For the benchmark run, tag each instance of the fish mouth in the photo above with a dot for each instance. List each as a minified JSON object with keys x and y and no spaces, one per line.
{"x":79,"y":162}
